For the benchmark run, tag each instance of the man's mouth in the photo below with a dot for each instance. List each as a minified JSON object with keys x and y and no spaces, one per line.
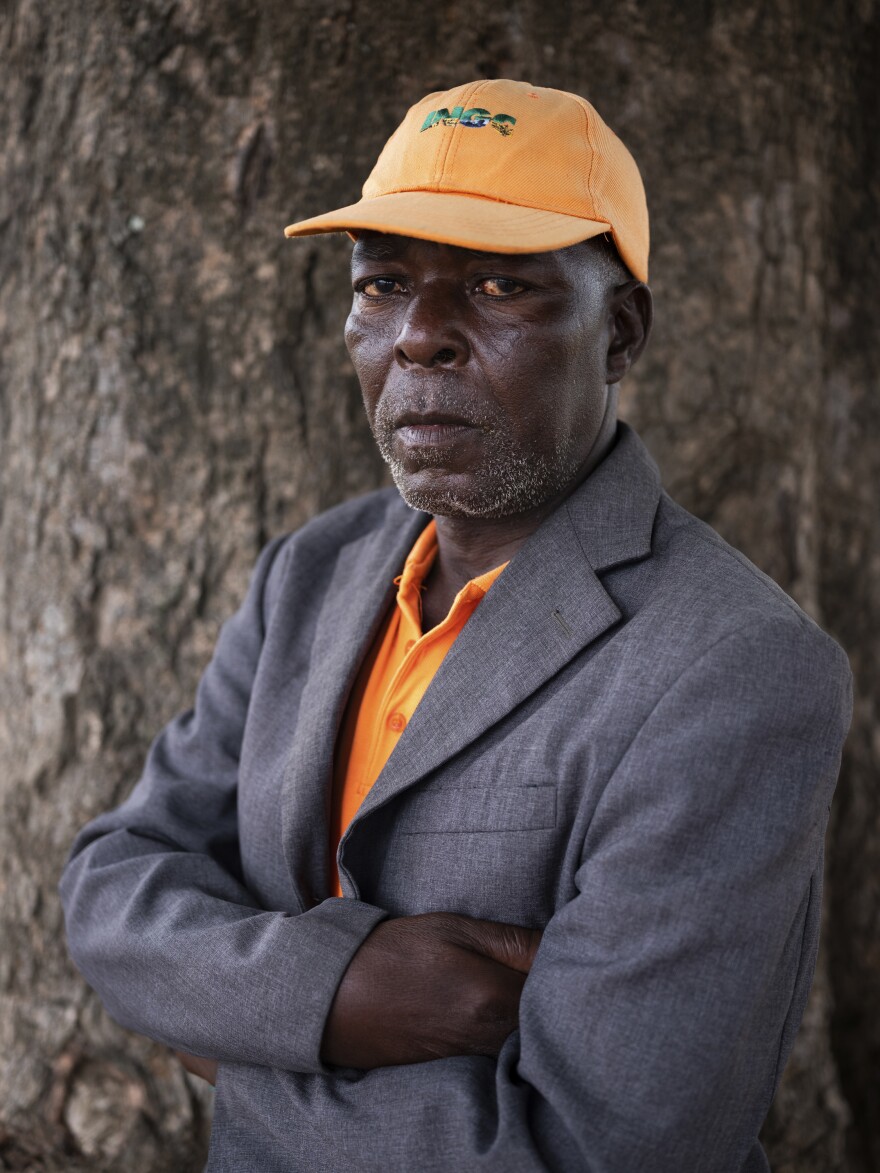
{"x":421,"y":429}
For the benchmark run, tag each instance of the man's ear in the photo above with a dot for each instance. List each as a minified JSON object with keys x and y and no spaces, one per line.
{"x":632,"y":316}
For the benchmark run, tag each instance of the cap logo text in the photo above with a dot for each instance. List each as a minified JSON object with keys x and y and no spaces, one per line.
{"x":474,"y":119}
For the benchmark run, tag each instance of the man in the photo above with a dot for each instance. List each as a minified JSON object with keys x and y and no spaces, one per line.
{"x":494,"y":840}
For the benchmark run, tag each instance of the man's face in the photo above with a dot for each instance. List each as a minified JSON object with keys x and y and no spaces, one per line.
{"x":483,"y":375}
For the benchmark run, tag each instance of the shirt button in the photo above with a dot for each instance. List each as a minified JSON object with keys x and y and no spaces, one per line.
{"x":397,"y":722}
{"x":410,"y":644}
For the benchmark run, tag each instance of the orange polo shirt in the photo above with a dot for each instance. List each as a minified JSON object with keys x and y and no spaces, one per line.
{"x":393,"y":679}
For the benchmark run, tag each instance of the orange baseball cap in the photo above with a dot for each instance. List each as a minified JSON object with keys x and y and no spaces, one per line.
{"x":501,"y":166}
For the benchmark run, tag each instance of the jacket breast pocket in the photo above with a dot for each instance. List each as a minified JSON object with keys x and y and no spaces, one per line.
{"x":474,"y":809}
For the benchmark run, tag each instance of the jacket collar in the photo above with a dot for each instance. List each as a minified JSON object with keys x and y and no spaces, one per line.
{"x":613,"y":511}
{"x":350,"y":614}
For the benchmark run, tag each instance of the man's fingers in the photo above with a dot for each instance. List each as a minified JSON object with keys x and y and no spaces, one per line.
{"x":510,"y":945}
{"x":513,"y":946}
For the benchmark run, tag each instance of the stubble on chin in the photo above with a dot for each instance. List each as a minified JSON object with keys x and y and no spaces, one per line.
{"x":508,"y":480}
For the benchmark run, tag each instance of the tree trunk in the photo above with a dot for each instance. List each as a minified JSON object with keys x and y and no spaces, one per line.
{"x":174,"y":391}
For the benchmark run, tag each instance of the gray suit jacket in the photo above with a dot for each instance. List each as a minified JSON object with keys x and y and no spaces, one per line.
{"x":632,"y":745}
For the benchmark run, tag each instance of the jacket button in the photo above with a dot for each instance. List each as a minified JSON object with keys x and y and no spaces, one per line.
{"x":397,"y":722}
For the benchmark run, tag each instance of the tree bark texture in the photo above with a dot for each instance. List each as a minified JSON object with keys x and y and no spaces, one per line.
{"x":174,"y":390}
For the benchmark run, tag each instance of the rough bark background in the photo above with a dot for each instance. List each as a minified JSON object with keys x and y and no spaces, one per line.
{"x":174,"y":390}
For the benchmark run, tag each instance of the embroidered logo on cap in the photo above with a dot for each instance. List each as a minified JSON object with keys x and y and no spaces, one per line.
{"x":474,"y":119}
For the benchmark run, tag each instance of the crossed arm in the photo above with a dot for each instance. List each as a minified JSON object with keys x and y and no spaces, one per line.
{"x":423,"y":987}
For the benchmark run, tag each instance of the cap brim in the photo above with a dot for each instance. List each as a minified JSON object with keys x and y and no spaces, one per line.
{"x":462,"y":220}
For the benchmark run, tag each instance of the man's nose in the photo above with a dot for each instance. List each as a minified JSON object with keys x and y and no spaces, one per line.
{"x":431,"y":334}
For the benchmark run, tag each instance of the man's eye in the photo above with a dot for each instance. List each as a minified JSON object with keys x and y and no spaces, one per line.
{"x":499,"y":286}
{"x":378,"y":286}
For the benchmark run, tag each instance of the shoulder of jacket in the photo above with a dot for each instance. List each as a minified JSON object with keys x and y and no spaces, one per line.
{"x":347,"y":521}
{"x":317,"y":543}
{"x":705,"y":583}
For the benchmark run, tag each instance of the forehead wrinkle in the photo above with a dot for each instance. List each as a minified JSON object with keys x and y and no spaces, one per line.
{"x":376,"y":246}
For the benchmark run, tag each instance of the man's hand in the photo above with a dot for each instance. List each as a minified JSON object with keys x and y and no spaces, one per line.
{"x":427,"y":987}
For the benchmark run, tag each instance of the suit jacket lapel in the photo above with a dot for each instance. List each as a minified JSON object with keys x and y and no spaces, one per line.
{"x":356,"y":599}
{"x":545,"y":608}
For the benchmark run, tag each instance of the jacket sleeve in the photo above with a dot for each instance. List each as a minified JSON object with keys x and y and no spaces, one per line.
{"x":158,"y":919}
{"x":665,"y":995}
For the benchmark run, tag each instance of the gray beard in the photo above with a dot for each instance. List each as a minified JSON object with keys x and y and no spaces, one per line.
{"x":509,"y":481}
